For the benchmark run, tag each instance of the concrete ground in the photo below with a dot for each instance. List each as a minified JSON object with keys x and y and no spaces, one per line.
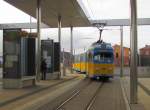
{"x":142,"y":71}
{"x":109,"y":96}
{"x":143,"y":92}
{"x":49,"y":94}
{"x":143,"y":88}
{"x":80,"y":102}
{"x":36,"y":100}
{"x":7,"y":96}
{"x":107,"y":93}
{"x":145,"y":82}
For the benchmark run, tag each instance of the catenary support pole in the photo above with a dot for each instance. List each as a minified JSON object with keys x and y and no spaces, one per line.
{"x":59,"y":40}
{"x":139,"y":57}
{"x":121,"y":51}
{"x":85,"y":59}
{"x":133,"y":64}
{"x":64,"y":67}
{"x":71,"y":48}
{"x":38,"y":58}
{"x":30,"y":23}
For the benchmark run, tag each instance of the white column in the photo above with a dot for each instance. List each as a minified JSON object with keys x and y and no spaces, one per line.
{"x":133,"y":64}
{"x":121,"y":52}
{"x":38,"y":14}
{"x":59,"y":40}
{"x":64,"y":72}
{"x":30,"y":23}
{"x":71,"y":48}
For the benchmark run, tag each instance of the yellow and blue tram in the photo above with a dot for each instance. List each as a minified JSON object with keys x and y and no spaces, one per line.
{"x":97,"y":62}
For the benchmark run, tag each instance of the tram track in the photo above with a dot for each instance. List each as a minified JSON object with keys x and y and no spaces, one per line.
{"x":90,"y":95}
{"x":77,"y":94}
{"x":88,"y":107}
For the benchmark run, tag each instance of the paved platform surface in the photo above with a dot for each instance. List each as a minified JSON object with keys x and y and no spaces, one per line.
{"x":145,"y":82}
{"x":10,"y":95}
{"x":143,"y":93}
{"x":110,"y":97}
{"x":110,"y":94}
{"x":38,"y":99}
{"x":143,"y":72}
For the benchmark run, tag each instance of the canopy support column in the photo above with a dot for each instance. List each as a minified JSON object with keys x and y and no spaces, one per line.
{"x":121,"y":52}
{"x":71,"y":49}
{"x":38,"y":14}
{"x":63,"y":62}
{"x":133,"y":44}
{"x":59,"y":40}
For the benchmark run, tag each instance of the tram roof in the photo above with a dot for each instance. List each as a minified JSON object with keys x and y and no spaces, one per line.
{"x":70,"y":11}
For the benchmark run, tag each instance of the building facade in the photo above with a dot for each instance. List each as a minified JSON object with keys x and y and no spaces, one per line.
{"x":144,"y":57}
{"x":117,"y":55}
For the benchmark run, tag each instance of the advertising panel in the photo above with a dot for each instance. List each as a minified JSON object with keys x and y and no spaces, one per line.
{"x":11,"y":51}
{"x":47,"y":53}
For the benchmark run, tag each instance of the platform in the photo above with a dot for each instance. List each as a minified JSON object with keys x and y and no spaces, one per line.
{"x":50,"y":99}
{"x":60,"y":90}
{"x":9,"y":95}
{"x":143,"y":93}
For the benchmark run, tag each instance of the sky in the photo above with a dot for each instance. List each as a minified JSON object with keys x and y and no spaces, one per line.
{"x":101,"y":9}
{"x":83,"y":37}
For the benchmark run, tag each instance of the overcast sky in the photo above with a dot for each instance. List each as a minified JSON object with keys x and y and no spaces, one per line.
{"x":98,"y":9}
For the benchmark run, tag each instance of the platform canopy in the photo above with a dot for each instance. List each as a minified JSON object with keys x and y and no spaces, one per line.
{"x":70,"y":11}
{"x":21,"y":25}
{"x":121,"y":22}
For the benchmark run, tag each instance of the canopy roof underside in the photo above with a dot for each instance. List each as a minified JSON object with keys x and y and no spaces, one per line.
{"x":70,"y":11}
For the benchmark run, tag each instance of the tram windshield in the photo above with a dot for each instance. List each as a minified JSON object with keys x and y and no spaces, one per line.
{"x":103,"y":57}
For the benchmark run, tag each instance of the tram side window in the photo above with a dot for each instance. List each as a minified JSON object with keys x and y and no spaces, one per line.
{"x":81,"y":58}
{"x":75,"y":59}
{"x":97,"y":58}
{"x":78,"y":58}
{"x":90,"y":57}
{"x":84,"y":57}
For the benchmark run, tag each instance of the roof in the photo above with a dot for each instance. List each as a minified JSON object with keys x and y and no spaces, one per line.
{"x":121,"y":22}
{"x":21,"y":25}
{"x":70,"y":11}
{"x":73,"y":13}
{"x":116,"y":45}
{"x":146,"y":47}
